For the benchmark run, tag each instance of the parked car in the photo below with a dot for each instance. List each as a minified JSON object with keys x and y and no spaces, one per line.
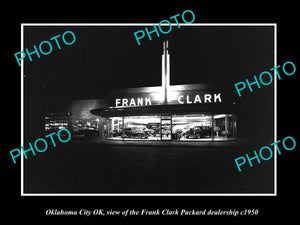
{"x":88,"y":131}
{"x":198,"y":132}
{"x":134,"y":133}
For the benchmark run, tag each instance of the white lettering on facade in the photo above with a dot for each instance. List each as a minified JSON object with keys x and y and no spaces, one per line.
{"x":118,"y":102}
{"x":182,"y":99}
{"x":148,"y":101}
{"x":124,"y":102}
{"x":217,"y":97}
{"x":188,"y":100}
{"x":197,"y":99}
{"x":132,"y":102}
{"x":140,"y":101}
{"x":207,"y":97}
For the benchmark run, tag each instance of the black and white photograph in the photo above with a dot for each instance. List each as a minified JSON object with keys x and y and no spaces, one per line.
{"x":124,"y":114}
{"x":162,"y":117}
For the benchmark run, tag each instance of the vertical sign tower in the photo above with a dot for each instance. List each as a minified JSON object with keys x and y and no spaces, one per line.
{"x":165,"y":71}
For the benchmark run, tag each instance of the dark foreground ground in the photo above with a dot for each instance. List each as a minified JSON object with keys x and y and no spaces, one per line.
{"x":89,"y":167}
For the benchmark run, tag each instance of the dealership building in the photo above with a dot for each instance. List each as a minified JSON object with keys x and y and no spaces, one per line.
{"x":189,"y":112}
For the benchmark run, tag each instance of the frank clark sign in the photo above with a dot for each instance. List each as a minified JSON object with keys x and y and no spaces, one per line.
{"x":180,"y":99}
{"x":174,"y":95}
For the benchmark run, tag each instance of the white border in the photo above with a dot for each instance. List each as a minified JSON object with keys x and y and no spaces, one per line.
{"x":150,"y":24}
{"x":275,"y":110}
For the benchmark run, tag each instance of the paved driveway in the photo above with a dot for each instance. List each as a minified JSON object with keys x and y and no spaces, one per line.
{"x":78,"y":167}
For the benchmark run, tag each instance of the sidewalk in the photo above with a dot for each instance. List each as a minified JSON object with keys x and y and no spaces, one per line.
{"x":214,"y":144}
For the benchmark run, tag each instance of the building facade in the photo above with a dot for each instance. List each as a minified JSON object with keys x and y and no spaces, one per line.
{"x":190,"y":112}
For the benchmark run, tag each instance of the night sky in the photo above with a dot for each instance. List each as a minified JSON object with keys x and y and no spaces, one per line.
{"x":106,"y":58}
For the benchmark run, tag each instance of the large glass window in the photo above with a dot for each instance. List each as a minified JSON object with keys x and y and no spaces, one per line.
{"x":142,"y":127}
{"x":190,"y":127}
{"x":196,"y":127}
{"x":224,"y":127}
